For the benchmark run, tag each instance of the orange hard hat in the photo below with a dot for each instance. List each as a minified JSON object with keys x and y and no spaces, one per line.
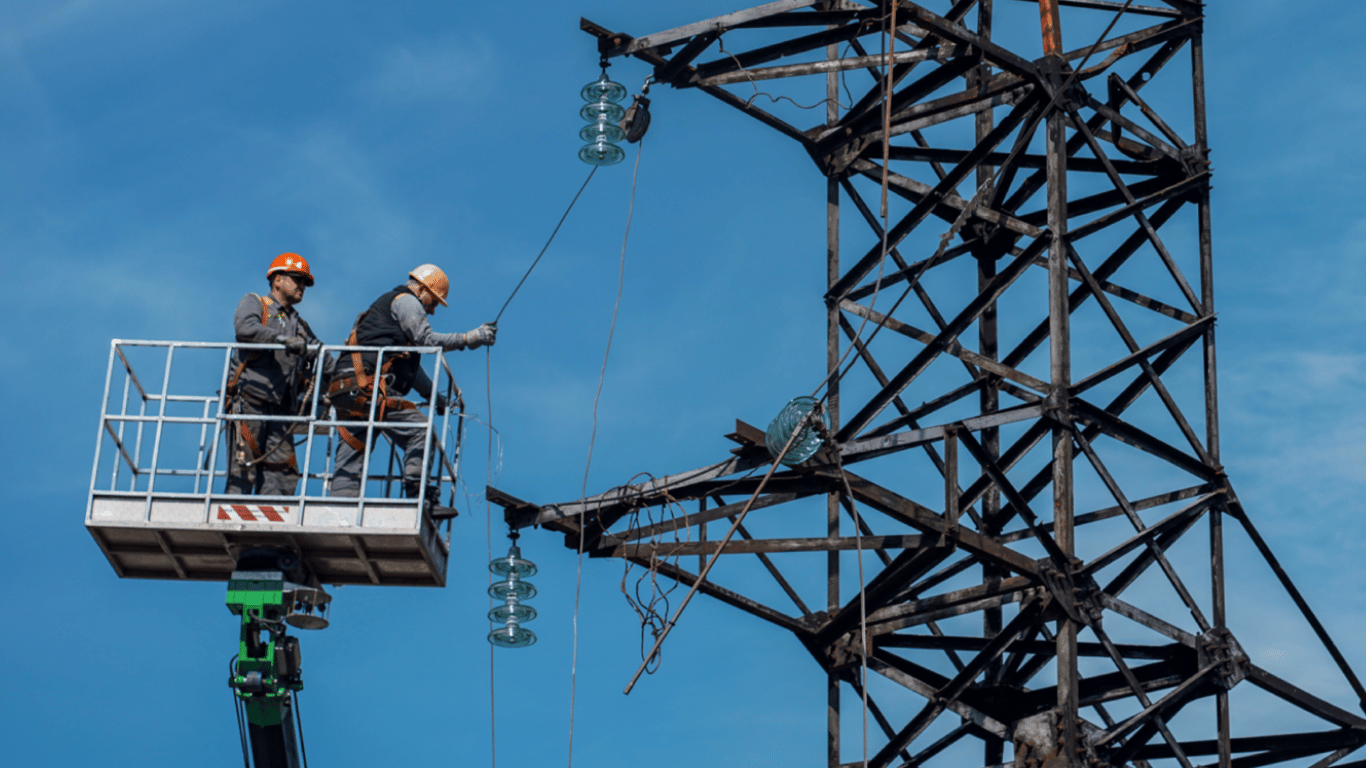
{"x":431,"y":276}
{"x":291,"y":264}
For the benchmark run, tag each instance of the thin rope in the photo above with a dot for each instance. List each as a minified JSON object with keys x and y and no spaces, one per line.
{"x":889,"y":51}
{"x":547,"y":244}
{"x":602,"y":376}
{"x":488,"y":533}
{"x":882,"y":262}
{"x":862,"y":598}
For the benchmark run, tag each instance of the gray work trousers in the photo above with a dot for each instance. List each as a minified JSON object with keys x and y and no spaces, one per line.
{"x":410,"y":439}
{"x":268,"y":467}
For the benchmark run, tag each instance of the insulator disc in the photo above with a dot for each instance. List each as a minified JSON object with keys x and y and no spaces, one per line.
{"x":806,"y":444}
{"x":601,"y":153}
{"x":512,"y":636}
{"x":603,"y":88}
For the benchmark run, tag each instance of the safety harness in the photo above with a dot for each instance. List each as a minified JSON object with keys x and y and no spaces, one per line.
{"x":351,"y":394}
{"x":256,"y":454}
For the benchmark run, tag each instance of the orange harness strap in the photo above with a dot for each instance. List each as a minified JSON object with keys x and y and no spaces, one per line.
{"x":356,"y":443}
{"x":368,"y":386}
{"x":394,"y":404}
{"x":257,"y":453}
{"x":252,"y":356}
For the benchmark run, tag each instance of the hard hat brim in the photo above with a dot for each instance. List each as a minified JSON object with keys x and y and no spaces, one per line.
{"x":304,"y":277}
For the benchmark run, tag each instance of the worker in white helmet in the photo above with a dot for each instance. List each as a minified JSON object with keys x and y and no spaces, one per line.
{"x":397,"y":318}
{"x":270,"y":383}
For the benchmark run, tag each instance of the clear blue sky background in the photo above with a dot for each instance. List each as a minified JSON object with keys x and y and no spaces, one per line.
{"x":157,"y":154}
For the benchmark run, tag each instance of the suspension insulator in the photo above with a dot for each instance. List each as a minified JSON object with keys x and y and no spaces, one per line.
{"x":602,"y":113}
{"x":512,"y":591}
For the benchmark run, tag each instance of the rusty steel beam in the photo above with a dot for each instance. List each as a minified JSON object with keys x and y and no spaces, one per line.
{"x":941,"y":337}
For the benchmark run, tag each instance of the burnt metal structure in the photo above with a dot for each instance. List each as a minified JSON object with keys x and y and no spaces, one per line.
{"x":1024,"y":445}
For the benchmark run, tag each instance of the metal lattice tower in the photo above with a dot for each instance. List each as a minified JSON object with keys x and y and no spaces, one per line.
{"x":1025,"y":446}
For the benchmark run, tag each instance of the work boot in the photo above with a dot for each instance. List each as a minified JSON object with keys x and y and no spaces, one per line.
{"x":432,"y":503}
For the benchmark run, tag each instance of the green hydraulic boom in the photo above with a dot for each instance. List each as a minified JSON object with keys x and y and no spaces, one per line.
{"x":270,"y":591}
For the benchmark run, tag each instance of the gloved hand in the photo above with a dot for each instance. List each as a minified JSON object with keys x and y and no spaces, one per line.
{"x":484,"y":335}
{"x":440,"y":403}
{"x":294,"y":345}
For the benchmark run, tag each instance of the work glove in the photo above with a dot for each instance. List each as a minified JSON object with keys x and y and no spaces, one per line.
{"x":440,"y":403}
{"x":294,"y":345}
{"x":484,"y":335}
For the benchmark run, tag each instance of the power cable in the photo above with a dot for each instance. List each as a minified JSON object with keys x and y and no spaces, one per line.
{"x":602,"y":375}
{"x":237,"y":710}
{"x":546,"y":246}
{"x":488,"y":511}
{"x":488,"y":479}
{"x":299,"y":726}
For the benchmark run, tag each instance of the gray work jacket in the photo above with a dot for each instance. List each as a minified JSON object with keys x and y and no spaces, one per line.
{"x":273,"y":376}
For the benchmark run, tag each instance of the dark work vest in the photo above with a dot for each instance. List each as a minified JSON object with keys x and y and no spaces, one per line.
{"x":378,"y":328}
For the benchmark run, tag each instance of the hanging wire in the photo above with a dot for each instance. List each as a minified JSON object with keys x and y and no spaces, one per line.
{"x":889,"y":54}
{"x":602,"y":375}
{"x":720,"y":548}
{"x":546,"y":246}
{"x":721,"y":45}
{"x":299,"y":726}
{"x":488,"y":509}
{"x":862,"y":599}
{"x":237,"y":708}
{"x":652,"y":610}
{"x":496,"y":463}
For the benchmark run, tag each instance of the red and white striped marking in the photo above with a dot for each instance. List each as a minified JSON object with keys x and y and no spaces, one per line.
{"x":252,"y":513}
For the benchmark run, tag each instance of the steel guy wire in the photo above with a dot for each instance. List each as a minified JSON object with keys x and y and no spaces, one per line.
{"x":602,"y":375}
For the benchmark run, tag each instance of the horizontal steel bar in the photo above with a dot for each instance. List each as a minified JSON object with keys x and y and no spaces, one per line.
{"x":1111,"y":5}
{"x":666,"y":549}
{"x":859,"y":450}
{"x":938,"y":53}
{"x":714,"y":24}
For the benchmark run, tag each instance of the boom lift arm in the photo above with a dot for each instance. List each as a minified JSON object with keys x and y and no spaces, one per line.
{"x":270,"y":590}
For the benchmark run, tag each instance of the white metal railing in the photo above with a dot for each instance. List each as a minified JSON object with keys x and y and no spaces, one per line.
{"x":163,"y":439}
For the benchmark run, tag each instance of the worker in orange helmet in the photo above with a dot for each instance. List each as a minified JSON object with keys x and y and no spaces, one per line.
{"x":270,"y":382}
{"x":396,"y":318}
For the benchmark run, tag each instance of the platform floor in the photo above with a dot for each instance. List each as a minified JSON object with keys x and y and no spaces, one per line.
{"x":384,"y":542}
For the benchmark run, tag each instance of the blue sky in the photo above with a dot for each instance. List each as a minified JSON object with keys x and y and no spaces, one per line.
{"x":158,"y":154}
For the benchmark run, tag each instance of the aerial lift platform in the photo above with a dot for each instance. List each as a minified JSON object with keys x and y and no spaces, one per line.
{"x":157,"y":507}
{"x":158,"y":510}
